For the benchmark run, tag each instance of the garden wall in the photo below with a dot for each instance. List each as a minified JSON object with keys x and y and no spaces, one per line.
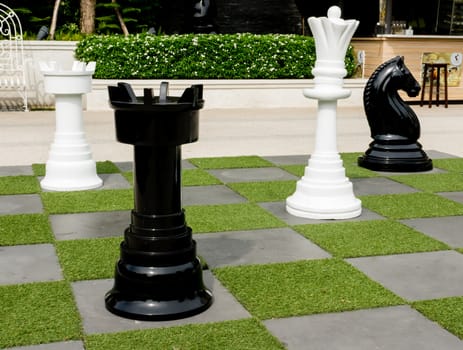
{"x":268,"y":93}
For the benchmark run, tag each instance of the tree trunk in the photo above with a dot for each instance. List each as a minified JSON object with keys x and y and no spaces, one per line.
{"x":87,"y":16}
{"x":120,"y":19}
{"x":54,"y":19}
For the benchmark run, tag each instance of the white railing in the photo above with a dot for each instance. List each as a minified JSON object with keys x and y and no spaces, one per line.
{"x":12,"y":64}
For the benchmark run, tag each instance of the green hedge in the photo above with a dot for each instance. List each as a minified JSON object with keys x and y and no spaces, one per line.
{"x":204,"y":56}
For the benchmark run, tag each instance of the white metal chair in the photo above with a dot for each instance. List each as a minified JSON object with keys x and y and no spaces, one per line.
{"x":12,"y":64}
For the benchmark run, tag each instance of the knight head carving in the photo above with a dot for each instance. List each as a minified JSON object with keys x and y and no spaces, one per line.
{"x":402,"y":78}
{"x":386,"y":111}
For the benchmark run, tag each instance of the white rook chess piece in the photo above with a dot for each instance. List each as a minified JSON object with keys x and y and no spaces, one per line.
{"x":324,"y":192}
{"x":70,"y":166}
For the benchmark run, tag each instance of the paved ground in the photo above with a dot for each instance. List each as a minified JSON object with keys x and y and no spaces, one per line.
{"x":413,"y":276}
{"x":25,"y":137}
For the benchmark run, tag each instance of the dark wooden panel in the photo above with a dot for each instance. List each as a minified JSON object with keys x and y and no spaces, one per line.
{"x":258,"y":16}
{"x":236,"y":16}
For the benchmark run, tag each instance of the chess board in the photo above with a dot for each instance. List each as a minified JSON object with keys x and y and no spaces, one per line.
{"x":391,"y":278}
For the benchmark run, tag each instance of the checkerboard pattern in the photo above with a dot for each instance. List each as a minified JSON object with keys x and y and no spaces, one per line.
{"x":389,"y":279}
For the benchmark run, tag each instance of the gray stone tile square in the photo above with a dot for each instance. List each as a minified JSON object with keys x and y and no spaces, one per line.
{"x":251,"y":174}
{"x":417,"y":276}
{"x":454,"y":196}
{"x":20,"y":204}
{"x":433,"y":154}
{"x":279,"y":210}
{"x":113,"y":181}
{"x":89,"y":225}
{"x":16,"y":170}
{"x":124,"y":166}
{"x":391,"y":328}
{"x":288,"y":160}
{"x":256,"y":247}
{"x":379,"y":185}
{"x":204,"y":195}
{"x":67,"y":345}
{"x":187,"y":165}
{"x":29,"y":263}
{"x":96,"y":319}
{"x":432,"y":171}
{"x":445,"y":229}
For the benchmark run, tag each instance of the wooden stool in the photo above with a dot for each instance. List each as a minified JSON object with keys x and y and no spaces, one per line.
{"x":432,"y":72}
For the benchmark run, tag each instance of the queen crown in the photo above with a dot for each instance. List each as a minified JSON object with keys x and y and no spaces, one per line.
{"x":332,"y":34}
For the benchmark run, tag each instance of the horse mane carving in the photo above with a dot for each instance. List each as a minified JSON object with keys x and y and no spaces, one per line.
{"x":389,"y":117}
{"x":394,"y":126}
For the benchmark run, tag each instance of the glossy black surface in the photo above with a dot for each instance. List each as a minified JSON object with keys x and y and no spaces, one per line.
{"x":158,"y":276}
{"x":394,"y":126}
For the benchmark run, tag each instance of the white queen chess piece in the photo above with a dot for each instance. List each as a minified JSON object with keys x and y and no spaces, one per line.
{"x":324,"y":192}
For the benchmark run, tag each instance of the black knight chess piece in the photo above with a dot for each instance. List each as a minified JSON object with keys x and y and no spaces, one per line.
{"x":394,"y":126}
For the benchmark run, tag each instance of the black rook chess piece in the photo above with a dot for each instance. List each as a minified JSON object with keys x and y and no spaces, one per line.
{"x":158,"y":275}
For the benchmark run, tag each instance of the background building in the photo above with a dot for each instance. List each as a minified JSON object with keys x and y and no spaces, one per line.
{"x":429,"y":17}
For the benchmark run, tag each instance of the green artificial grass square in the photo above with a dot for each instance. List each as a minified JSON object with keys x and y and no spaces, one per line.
{"x":448,"y":182}
{"x":22,"y":184}
{"x":25,"y":229}
{"x":107,"y":167}
{"x":448,"y":312}
{"x":37,"y":313}
{"x":230,"y":162}
{"x":349,"y":161}
{"x":38,"y":169}
{"x":87,"y":201}
{"x":350,"y":158}
{"x":295,"y":169}
{"x":368,"y":238}
{"x":411,"y":205}
{"x":354,"y":171}
{"x":271,"y":191}
{"x":246,"y":334}
{"x":128,"y":176}
{"x":303,"y":288}
{"x":104,"y":167}
{"x":450,"y":164}
{"x":87,"y":259}
{"x":198,"y":177}
{"x":229,"y":217}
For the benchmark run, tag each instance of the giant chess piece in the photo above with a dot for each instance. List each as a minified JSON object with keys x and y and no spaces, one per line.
{"x":158,"y":276}
{"x":70,"y":166}
{"x":395,"y":128}
{"x":324,"y":192}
